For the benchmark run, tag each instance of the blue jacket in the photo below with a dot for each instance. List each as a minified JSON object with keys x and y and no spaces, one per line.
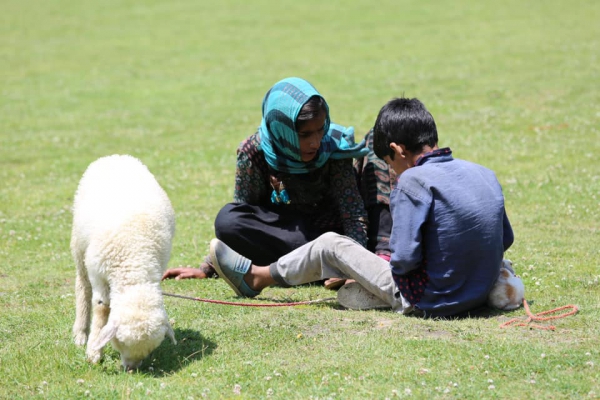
{"x":449,"y":234}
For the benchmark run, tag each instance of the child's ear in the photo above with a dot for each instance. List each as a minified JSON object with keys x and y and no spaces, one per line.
{"x":398,"y":149}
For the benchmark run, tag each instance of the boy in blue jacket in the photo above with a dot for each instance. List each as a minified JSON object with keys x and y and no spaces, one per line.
{"x":449,"y":232}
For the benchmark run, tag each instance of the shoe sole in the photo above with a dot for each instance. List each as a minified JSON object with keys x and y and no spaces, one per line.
{"x":355,"y":297}
{"x":215,"y":260}
{"x":334,"y":285}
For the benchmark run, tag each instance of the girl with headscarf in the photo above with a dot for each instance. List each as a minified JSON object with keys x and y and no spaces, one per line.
{"x":294,"y":180}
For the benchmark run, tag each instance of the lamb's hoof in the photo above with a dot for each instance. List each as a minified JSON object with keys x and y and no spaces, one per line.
{"x":93,"y":357}
{"x":80,"y":339}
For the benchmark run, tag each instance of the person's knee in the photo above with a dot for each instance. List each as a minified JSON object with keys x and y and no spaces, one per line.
{"x":225,"y":223}
{"x":332,"y":242}
{"x":330,"y":237}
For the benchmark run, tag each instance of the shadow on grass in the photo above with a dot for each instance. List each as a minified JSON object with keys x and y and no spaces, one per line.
{"x":483,"y":312}
{"x":169,"y":358}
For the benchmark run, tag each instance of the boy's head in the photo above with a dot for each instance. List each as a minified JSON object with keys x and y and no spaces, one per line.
{"x":405,"y":122}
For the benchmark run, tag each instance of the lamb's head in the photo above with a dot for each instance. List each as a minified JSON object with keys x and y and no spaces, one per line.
{"x":508,"y":265}
{"x":135,"y":332}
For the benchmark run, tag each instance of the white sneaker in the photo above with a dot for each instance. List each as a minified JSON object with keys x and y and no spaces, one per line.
{"x":355,"y":297}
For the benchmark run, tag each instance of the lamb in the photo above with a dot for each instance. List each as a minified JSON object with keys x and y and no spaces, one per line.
{"x":508,"y":291}
{"x":123,"y":227}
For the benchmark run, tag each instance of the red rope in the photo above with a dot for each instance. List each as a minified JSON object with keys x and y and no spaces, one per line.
{"x":538,"y":317}
{"x":232,"y":303}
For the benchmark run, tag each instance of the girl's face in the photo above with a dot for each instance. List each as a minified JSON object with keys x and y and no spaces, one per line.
{"x":310,"y":134}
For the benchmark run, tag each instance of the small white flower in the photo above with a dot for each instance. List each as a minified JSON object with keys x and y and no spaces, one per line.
{"x":490,"y":381}
{"x":194,"y":375}
{"x":491,"y":387}
{"x":80,"y":381}
{"x":237,"y":389}
{"x":487,"y":357}
{"x":543,"y":355}
{"x":532,"y":381}
{"x":407,"y":391}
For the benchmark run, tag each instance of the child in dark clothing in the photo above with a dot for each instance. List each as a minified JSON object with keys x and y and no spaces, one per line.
{"x":294,"y":181}
{"x":449,"y":232}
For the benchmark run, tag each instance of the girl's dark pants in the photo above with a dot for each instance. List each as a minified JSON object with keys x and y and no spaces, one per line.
{"x":261,"y":234}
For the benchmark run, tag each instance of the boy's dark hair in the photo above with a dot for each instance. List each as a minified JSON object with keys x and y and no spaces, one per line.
{"x":311,"y":109}
{"x":403,"y":121}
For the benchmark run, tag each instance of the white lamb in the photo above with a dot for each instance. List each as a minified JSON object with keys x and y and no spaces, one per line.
{"x":123,"y":226}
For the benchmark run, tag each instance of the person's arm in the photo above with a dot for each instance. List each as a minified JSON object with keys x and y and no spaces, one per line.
{"x":410,"y":205}
{"x":508,"y":235}
{"x":375,"y":181}
{"x":350,"y":204}
{"x":250,"y":182}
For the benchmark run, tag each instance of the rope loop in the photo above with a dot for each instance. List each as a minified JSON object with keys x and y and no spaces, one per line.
{"x":539,"y":317}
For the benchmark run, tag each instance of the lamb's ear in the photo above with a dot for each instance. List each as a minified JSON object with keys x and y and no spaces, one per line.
{"x":171,"y":333}
{"x":108,"y":332}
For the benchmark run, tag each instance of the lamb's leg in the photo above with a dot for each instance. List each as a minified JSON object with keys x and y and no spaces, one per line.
{"x":100,"y":318}
{"x":83,"y":300}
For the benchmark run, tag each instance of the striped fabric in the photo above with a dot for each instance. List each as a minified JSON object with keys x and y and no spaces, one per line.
{"x":279,"y":139}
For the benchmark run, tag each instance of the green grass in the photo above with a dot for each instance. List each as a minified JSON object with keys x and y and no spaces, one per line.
{"x":513,"y":86}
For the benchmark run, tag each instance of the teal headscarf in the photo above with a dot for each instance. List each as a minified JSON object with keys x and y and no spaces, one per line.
{"x":278,"y":136}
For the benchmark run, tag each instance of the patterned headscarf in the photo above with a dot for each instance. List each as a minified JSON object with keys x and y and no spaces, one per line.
{"x":278,"y":136}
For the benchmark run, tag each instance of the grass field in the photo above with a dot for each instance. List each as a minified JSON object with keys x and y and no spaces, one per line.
{"x":513,"y":85}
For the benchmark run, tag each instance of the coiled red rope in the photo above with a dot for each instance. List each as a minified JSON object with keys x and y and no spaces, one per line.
{"x":233,"y":303}
{"x":539,"y":317}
